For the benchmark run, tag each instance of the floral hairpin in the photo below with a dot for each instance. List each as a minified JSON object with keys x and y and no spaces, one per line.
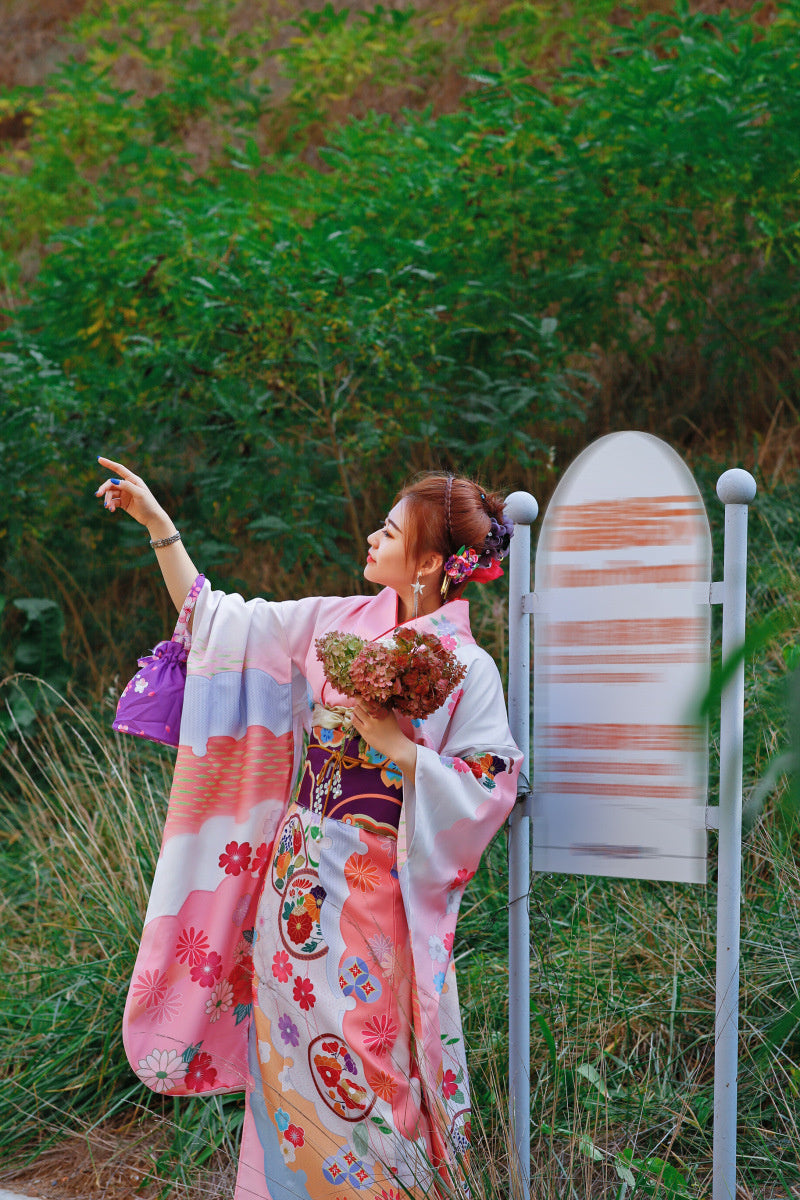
{"x":480,"y":565}
{"x":459,"y":566}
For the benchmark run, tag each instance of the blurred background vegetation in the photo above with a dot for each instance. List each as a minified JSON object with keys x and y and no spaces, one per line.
{"x":277,"y":257}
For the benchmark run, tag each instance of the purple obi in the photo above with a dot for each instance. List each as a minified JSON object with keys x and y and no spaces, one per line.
{"x":347,"y":780}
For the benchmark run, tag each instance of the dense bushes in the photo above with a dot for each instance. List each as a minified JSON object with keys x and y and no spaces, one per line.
{"x":277,"y":344}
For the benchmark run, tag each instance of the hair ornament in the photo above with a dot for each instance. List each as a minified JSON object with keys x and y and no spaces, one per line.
{"x":480,"y":565}
{"x":447,"y":493}
{"x":497,"y":543}
{"x":460,"y":565}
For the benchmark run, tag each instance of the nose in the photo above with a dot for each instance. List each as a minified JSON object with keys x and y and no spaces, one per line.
{"x":372,"y":539}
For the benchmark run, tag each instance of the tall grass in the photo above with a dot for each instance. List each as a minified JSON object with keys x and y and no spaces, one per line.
{"x":622,"y":974}
{"x":81,"y":813}
{"x":622,"y":1014}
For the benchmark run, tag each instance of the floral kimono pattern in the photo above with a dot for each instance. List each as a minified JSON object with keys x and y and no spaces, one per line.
{"x":308,"y":959}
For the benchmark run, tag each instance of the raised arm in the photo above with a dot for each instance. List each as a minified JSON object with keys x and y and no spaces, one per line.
{"x":130,"y":493}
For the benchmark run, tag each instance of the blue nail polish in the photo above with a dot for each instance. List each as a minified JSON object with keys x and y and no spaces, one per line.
{"x":116,"y":481}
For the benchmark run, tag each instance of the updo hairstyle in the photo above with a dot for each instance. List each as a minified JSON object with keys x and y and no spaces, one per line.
{"x":442,"y":519}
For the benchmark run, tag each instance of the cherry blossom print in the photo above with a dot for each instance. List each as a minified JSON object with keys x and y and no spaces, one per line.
{"x":455,"y":764}
{"x":383,"y":1084}
{"x":220,"y":1000}
{"x":288,"y":1030}
{"x":299,"y":926}
{"x":200,"y":1075}
{"x":304,"y":993}
{"x":168,"y":1006}
{"x":379,"y":1034}
{"x":462,"y":878}
{"x":288,"y":1151}
{"x":208,"y":970}
{"x":236,"y":858}
{"x":258,"y":862}
{"x":281,"y":966}
{"x":388,"y":1194}
{"x":191,"y":946}
{"x":453,"y":701}
{"x":436,"y":949}
{"x":150,"y":988}
{"x":161,"y":1070}
{"x":282,"y":1120}
{"x":296,"y":1135}
{"x":449,"y":1084}
{"x":447,"y":942}
{"x":360,"y":873}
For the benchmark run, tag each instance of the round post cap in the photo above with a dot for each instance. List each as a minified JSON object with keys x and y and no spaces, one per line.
{"x":736,"y":487}
{"x":522,"y":508}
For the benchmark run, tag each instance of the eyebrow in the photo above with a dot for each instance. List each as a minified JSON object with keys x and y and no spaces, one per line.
{"x":389,"y":521}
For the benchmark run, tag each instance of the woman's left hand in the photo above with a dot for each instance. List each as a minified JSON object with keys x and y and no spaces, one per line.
{"x":382,"y":733}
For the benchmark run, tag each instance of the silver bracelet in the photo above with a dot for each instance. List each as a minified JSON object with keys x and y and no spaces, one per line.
{"x":161,"y":542}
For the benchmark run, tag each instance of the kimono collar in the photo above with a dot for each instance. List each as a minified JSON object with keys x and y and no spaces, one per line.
{"x":452,"y":618}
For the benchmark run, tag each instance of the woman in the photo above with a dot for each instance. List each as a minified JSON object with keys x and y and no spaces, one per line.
{"x":299,"y":937}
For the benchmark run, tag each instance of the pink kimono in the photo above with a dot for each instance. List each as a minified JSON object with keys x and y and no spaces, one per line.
{"x":305,"y":956}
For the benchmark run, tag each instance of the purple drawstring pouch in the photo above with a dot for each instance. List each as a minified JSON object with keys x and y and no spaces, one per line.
{"x":151,"y":704}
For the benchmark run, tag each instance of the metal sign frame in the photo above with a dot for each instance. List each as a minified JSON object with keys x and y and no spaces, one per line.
{"x":736,"y":489}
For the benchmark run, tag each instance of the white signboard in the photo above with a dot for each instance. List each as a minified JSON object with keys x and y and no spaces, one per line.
{"x":621,"y":662}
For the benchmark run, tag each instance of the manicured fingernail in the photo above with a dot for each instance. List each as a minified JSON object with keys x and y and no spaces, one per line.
{"x":116,"y":481}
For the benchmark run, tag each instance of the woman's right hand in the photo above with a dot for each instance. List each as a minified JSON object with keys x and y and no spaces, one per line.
{"x":130,"y":493}
{"x":127,"y":491}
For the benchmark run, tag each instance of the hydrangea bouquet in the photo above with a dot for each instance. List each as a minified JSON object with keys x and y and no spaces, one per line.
{"x":410,"y":672}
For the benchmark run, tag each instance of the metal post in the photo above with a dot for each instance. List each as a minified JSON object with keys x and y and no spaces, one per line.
{"x":523,"y":509}
{"x":736,"y":489}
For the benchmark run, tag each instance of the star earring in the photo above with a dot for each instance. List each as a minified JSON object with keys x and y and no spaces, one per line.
{"x":417,"y":588}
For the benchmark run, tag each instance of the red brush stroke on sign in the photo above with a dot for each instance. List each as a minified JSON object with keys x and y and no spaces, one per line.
{"x":657,"y":632}
{"x":591,"y":736}
{"x":616,"y":524}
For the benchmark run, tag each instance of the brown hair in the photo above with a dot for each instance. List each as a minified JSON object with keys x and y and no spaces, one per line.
{"x":445,"y":512}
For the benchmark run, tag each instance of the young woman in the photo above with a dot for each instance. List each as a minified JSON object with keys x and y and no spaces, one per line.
{"x":299,"y":937}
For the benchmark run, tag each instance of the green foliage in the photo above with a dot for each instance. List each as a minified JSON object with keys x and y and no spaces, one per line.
{"x":279,"y":345}
{"x":33,"y":646}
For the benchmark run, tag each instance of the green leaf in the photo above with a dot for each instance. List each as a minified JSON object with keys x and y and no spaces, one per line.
{"x":360,"y":1139}
{"x":587,"y":1071}
{"x":588,"y":1148}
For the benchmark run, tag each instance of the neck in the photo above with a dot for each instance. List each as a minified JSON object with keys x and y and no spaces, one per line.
{"x":425,"y":605}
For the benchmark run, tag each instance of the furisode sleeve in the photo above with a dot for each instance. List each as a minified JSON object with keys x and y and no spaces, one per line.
{"x":188,"y":1008}
{"x":458,"y":799}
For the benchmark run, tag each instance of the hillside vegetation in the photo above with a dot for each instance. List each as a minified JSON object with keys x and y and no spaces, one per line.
{"x":278,"y":258}
{"x":277,"y":315}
